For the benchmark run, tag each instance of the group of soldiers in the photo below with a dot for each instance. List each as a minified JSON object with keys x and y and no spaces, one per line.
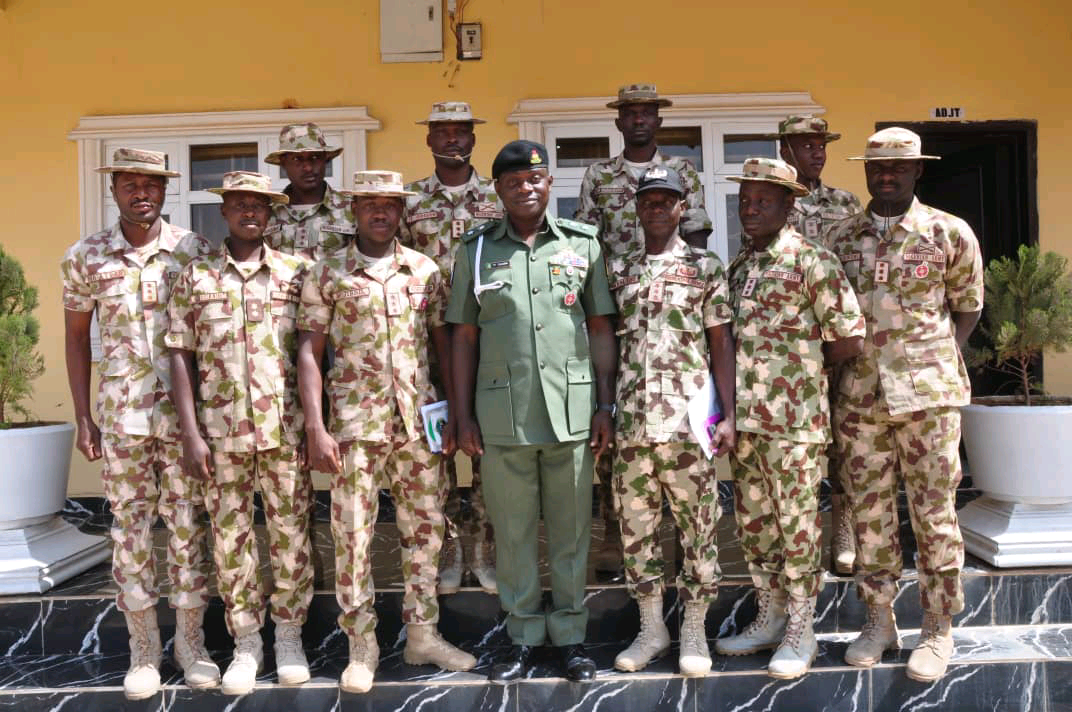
{"x":314,"y":335}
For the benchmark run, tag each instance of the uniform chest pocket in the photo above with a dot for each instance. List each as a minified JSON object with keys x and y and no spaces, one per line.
{"x":494,"y":293}
{"x":215,"y":327}
{"x":921,"y":285}
{"x":111,"y":299}
{"x":427,"y":227}
{"x":566,"y":283}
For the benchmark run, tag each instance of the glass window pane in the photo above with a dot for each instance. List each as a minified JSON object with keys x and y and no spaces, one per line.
{"x":581,"y":152}
{"x":208,"y":163}
{"x":733,"y":227}
{"x":737,"y":147}
{"x":566,"y":207}
{"x":206,"y":220}
{"x":684,"y":141}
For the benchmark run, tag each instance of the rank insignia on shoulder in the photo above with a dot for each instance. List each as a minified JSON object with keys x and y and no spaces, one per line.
{"x":477,"y":231}
{"x":575,"y":226}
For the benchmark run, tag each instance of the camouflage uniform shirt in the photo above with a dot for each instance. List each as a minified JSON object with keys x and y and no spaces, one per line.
{"x":436,"y":218}
{"x":909,"y":282}
{"x":313,"y":233}
{"x":239,"y":320}
{"x":787,"y":300}
{"x":129,"y":288}
{"x":665,"y":307}
{"x":379,"y":323}
{"x":608,"y":201}
{"x":815,"y":213}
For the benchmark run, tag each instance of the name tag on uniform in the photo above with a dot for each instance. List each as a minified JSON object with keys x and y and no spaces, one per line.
{"x":339,"y":229}
{"x":922,"y":256}
{"x":351,"y":293}
{"x":394,"y":304}
{"x":487,"y":211}
{"x":655,"y":292}
{"x":498,"y":263}
{"x":831,"y":215}
{"x":686,"y":271}
{"x":107,"y":276}
{"x":784,"y":275}
{"x":254,"y":310}
{"x":272,"y":229}
{"x":882,"y":272}
{"x":285,"y":296}
{"x":457,"y":228}
{"x":427,"y":215}
{"x":148,"y":293}
{"x":811,"y":226}
{"x":610,"y":190}
{"x":851,"y":256}
{"x":619,"y":283}
{"x":206,"y":297}
{"x":677,"y":279}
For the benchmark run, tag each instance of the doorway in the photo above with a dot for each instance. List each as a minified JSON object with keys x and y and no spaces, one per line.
{"x":987,"y":176}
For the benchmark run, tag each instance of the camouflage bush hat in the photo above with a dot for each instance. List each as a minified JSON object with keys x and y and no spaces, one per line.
{"x":451,"y":111}
{"x":301,"y":138}
{"x":249,"y":182}
{"x":638,"y":94}
{"x":661,"y":178}
{"x":136,"y":160}
{"x":771,"y":170}
{"x":803,"y":125}
{"x":378,"y":183}
{"x":894,"y":144}
{"x":519,"y":156}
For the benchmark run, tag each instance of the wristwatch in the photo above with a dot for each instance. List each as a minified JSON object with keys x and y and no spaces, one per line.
{"x":611,"y":408}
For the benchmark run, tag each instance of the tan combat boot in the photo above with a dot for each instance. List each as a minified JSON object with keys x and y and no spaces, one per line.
{"x":798,"y":649}
{"x":364,"y":657}
{"x":652,"y":641}
{"x":764,"y":633}
{"x":879,"y":634}
{"x":425,"y":646}
{"x":451,"y":566}
{"x":241,"y":674}
{"x":609,"y":557}
{"x":143,"y":678}
{"x":190,"y":653}
{"x":929,"y":660}
{"x":843,"y":539}
{"x":483,"y":566}
{"x":694,"y":659}
{"x":291,"y":666}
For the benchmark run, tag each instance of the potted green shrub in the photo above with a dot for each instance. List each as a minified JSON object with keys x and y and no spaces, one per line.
{"x":38,"y":548}
{"x":1019,"y":446}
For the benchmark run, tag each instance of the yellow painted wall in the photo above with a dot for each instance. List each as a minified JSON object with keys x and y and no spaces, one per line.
{"x":863,"y":61}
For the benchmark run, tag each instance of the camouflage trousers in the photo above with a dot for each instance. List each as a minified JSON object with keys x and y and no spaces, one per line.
{"x":776,"y":493}
{"x":643,"y":475}
{"x":143,"y":478}
{"x":476,"y":525}
{"x":922,"y":449}
{"x":411,"y":473}
{"x":286,"y":491}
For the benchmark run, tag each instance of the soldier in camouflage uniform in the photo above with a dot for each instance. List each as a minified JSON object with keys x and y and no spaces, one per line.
{"x":803,"y":141}
{"x":232,"y":333}
{"x":674,"y":335}
{"x":795,"y":314}
{"x":447,"y":203}
{"x":125,"y":274}
{"x":317,"y":220}
{"x":607,"y":200}
{"x":919,"y":276}
{"x":380,"y":303}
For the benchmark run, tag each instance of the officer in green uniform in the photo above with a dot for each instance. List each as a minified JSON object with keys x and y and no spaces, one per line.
{"x":530,"y":301}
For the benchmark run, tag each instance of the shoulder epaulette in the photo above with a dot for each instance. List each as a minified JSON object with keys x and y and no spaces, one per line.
{"x":474,"y":232}
{"x":575,"y":226}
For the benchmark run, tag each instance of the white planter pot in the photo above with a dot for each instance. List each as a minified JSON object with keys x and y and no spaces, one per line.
{"x":1021,"y":458}
{"x":38,"y":549}
{"x":34,"y":464}
{"x":1020,"y":454}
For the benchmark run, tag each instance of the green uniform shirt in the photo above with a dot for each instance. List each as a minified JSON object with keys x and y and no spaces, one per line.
{"x":534,"y":382}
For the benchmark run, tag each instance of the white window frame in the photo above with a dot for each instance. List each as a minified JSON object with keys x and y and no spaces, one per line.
{"x":717,"y":115}
{"x":98,"y":136}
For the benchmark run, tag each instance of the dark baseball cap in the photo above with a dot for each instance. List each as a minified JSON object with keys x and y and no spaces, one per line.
{"x":661,"y":178}
{"x":519,"y":156}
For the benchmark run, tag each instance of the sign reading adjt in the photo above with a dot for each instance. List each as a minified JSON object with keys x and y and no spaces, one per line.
{"x":947,"y":112}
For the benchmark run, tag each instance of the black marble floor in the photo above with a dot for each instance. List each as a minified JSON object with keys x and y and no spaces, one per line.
{"x":66,"y":650}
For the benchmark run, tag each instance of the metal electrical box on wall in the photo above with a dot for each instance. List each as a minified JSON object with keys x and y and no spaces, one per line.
{"x":411,"y":30}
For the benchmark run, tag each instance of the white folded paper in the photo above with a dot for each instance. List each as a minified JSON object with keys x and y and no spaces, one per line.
{"x":704,"y":414}
{"x":435,"y":421}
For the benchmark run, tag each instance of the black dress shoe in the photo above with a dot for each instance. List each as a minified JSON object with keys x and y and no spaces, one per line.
{"x":511,"y":666}
{"x":576,"y":663}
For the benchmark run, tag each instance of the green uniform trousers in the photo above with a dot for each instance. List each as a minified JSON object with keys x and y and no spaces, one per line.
{"x":519,"y":482}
